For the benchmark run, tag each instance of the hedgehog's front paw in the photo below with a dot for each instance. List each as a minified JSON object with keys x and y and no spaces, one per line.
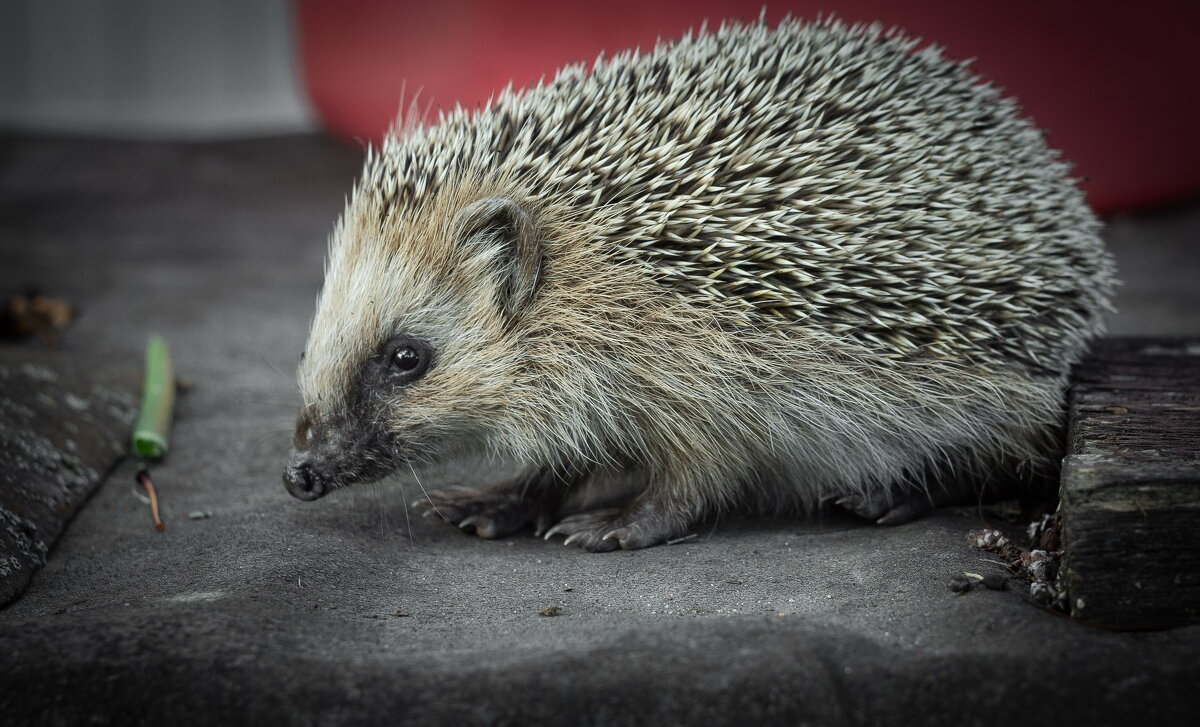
{"x":603,"y":530}
{"x":492,"y":513}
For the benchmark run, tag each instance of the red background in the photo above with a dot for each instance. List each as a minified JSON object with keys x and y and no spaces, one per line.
{"x":1115,"y":87}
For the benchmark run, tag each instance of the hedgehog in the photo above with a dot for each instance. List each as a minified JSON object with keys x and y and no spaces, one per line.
{"x":756,"y":269}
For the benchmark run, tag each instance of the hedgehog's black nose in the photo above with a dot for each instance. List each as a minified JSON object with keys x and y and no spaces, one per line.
{"x":303,"y":482}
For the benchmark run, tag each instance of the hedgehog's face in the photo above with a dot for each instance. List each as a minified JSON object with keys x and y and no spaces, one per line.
{"x":413,"y":349}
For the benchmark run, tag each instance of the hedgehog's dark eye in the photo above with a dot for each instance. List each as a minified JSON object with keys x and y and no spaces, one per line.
{"x":408,"y":360}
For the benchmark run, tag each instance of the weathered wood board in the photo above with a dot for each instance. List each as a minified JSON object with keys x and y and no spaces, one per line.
{"x":62,"y":428}
{"x":1131,"y":485}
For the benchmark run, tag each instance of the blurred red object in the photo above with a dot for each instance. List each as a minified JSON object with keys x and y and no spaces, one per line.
{"x":1116,"y":88}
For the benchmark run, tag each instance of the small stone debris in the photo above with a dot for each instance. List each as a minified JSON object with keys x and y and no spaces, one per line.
{"x":200,"y":514}
{"x":32,"y":314}
{"x":965,"y":581}
{"x":960,"y":583}
{"x":994,"y":582}
{"x":551,"y":611}
{"x":990,"y":539}
{"x":1037,"y":563}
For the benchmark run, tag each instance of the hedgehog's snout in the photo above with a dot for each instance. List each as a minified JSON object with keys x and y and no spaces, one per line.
{"x":302,"y":480}
{"x":301,"y":476}
{"x":333,"y":451}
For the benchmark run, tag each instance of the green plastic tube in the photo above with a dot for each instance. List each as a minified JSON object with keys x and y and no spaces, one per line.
{"x":158,"y":401}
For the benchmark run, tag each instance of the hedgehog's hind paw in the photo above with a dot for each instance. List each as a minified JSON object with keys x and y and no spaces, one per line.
{"x":887,"y":509}
{"x":492,"y":513}
{"x":608,"y":529}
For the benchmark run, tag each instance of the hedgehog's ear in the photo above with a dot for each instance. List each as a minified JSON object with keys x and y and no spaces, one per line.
{"x":504,"y":230}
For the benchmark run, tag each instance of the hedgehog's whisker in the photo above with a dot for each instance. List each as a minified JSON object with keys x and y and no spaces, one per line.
{"x":275,"y":368}
{"x":271,"y":402}
{"x":256,"y":441}
{"x":383,"y":523}
{"x":412,"y":545}
{"x":423,"y":491}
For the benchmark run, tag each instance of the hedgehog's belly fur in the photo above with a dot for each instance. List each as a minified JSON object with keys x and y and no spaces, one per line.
{"x":708,"y":414}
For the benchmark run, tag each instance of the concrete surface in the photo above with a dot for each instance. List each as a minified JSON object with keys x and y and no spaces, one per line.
{"x":263,"y":609}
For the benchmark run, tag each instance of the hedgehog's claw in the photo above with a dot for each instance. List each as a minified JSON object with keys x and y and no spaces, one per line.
{"x":542,"y":524}
{"x":584,"y":529}
{"x":608,"y":529}
{"x":485,"y":527}
{"x":586,"y":539}
{"x":492,"y":513}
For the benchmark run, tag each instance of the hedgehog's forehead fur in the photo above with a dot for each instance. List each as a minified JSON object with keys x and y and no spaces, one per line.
{"x":389,"y":274}
{"x":410,"y":271}
{"x":818,"y":178}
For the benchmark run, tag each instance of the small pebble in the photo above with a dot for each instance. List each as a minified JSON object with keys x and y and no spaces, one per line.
{"x":200,"y":514}
{"x":995,"y":582}
{"x":960,"y":584}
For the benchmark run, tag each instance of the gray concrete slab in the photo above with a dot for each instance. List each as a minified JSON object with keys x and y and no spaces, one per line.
{"x":269,"y":610}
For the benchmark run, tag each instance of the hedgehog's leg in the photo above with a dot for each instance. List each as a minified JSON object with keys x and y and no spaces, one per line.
{"x":655,"y":516}
{"x":906,"y":501}
{"x":500,"y":509}
{"x":901,"y":505}
{"x":895,"y":508}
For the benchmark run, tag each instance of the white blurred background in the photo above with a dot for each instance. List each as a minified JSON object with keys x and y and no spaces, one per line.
{"x":150,"y":68}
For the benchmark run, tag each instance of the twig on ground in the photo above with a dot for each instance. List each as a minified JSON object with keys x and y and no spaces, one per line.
{"x":143,"y":478}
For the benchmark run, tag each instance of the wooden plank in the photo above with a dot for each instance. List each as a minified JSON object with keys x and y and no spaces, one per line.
{"x":1131,"y":485}
{"x":63,"y":426}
